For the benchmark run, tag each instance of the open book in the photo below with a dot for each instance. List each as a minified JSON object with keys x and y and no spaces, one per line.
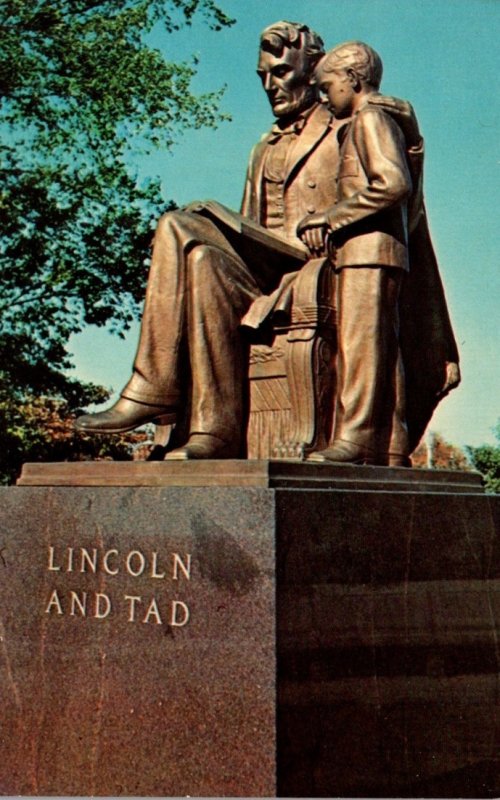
{"x":251,"y":241}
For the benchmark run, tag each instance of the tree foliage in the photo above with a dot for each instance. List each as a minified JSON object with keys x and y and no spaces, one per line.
{"x":80,"y":88}
{"x":81,"y":91}
{"x":486,"y":459}
{"x":41,"y":429}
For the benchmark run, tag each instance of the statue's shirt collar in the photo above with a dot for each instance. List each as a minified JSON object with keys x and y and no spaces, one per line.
{"x":279,"y":129}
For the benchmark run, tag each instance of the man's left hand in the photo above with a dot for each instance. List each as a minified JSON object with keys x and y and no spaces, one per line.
{"x":452,"y":378}
{"x":313,"y":231}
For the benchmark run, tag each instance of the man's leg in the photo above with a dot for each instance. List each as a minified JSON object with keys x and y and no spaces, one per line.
{"x":164,"y":324}
{"x":220,"y":292}
{"x":190,"y":257}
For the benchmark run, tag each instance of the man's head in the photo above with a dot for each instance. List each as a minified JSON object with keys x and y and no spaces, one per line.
{"x":288,"y":54}
{"x":346,"y":74}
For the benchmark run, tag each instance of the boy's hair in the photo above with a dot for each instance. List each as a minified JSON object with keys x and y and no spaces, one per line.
{"x":358,"y":56}
{"x":283,"y":34}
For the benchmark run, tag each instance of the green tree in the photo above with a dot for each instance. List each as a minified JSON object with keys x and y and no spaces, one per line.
{"x":41,"y":429}
{"x":486,"y":459}
{"x":81,"y":91}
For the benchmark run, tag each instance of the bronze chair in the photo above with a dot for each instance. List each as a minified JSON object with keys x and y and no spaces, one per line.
{"x":292,"y":377}
{"x":292,"y":380}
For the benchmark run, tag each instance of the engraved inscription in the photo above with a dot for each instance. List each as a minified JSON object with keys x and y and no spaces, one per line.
{"x":112,"y":562}
{"x":135,"y":563}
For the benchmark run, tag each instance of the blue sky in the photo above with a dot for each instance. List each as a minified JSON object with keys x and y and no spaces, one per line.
{"x":442,"y":55}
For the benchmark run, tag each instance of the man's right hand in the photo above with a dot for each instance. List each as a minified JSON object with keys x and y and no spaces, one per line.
{"x":313,"y":231}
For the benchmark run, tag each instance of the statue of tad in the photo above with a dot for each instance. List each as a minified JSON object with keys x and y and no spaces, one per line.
{"x":340,"y":178}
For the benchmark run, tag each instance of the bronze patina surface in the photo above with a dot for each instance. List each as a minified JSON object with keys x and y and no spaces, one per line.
{"x":341,"y":181}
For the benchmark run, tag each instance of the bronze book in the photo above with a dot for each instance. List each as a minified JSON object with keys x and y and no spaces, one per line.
{"x":248,"y":229}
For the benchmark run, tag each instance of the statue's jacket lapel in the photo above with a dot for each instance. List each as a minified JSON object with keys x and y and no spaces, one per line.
{"x":312,"y":138}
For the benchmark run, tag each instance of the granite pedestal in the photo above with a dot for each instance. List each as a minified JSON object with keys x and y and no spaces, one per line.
{"x":249,"y":629}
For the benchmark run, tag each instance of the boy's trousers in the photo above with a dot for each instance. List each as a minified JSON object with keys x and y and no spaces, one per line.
{"x":370,"y":407}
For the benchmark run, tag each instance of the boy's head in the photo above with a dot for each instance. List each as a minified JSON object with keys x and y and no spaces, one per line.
{"x":346,"y":74}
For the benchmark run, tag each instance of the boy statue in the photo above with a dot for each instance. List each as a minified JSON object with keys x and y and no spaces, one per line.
{"x":368,"y":232}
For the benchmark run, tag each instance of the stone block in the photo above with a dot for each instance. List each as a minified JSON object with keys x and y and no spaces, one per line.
{"x":169,"y":694}
{"x":388,"y":621}
{"x":271,"y":629}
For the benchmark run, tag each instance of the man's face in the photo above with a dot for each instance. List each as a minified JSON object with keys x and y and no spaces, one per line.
{"x":285,"y":80}
{"x":338,"y":87}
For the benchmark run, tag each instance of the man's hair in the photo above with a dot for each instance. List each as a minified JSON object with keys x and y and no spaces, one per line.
{"x":283,"y":34}
{"x":358,"y":56}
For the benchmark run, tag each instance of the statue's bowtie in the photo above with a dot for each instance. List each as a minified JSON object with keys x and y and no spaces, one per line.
{"x":296,"y":127}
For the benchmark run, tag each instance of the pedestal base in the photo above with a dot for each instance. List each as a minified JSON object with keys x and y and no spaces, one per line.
{"x":329,"y":631}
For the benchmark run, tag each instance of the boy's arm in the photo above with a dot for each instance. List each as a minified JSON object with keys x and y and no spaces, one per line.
{"x":381,"y":151}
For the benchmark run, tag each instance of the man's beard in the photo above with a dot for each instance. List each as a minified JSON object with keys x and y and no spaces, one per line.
{"x":298,"y":103}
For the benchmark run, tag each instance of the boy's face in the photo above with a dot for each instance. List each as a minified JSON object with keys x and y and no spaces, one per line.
{"x":285,"y":80}
{"x":338,"y":86}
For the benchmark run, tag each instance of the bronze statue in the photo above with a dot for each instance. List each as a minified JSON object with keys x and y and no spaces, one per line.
{"x":212,"y":275}
{"x":368,"y":232}
{"x":199,"y":288}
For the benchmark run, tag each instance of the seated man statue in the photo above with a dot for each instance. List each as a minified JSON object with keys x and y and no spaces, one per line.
{"x":191,"y":362}
{"x":200,"y":288}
